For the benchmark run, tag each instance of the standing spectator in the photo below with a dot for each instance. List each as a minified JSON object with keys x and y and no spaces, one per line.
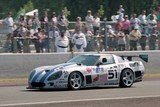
{"x":62,"y":22}
{"x":79,"y":25}
{"x":134,"y":37}
{"x":126,"y":29}
{"x":44,"y":21}
{"x":29,"y":21}
{"x":54,"y":19}
{"x":119,"y":25}
{"x":89,"y":20}
{"x":39,"y":40}
{"x":111,"y":34}
{"x":90,"y":40}
{"x":121,"y":12}
{"x":35,"y":23}
{"x":151,"y":24}
{"x":143,"y":39}
{"x":126,"y":25}
{"x":96,"y":24}
{"x":22,"y":29}
{"x":135,"y":22}
{"x":79,"y":41}
{"x":10,"y":23}
{"x":153,"y":15}
{"x":121,"y":41}
{"x":153,"y":38}
{"x":62,"y":43}
{"x":142,"y":18}
{"x":121,"y":9}
{"x":53,"y":34}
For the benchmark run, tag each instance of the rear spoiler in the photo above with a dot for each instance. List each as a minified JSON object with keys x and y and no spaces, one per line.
{"x":144,"y":57}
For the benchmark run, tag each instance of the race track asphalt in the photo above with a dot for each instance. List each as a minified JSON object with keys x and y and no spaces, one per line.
{"x":143,"y":94}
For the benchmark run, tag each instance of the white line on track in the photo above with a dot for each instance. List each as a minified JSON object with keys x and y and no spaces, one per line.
{"x":79,"y":100}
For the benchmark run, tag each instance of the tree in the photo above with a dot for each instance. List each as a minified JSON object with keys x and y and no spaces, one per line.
{"x":101,"y":11}
{"x":66,"y":12}
{"x":28,"y":7}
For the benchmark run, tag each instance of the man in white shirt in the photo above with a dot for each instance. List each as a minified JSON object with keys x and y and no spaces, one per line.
{"x":62,"y":43}
{"x":89,"y":20}
{"x":79,"y":41}
{"x":10,"y":23}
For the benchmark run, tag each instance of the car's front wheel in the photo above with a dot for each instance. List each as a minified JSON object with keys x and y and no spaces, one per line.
{"x":127,"y":78}
{"x":75,"y":81}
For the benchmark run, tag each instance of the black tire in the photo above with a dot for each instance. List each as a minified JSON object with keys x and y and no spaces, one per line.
{"x":75,"y":81}
{"x":127,"y":78}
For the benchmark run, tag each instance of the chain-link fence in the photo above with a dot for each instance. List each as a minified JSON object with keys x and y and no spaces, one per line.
{"x":96,"y":43}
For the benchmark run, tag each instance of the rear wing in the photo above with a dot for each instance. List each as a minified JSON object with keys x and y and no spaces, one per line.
{"x":144,"y":57}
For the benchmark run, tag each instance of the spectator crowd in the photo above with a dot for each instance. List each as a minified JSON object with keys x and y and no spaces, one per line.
{"x":54,"y":35}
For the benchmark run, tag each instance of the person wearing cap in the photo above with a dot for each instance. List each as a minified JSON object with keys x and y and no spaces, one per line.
{"x":134,"y":36}
{"x":62,"y":42}
{"x":79,"y":41}
{"x":79,"y":24}
{"x":89,"y":19}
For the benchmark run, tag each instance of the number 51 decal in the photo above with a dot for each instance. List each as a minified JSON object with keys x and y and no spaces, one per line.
{"x":112,"y":74}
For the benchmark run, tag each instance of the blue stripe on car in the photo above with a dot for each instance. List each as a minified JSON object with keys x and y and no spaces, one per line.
{"x":36,"y":76}
{"x":48,"y":73}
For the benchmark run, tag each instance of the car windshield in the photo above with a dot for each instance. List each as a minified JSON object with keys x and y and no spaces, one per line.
{"x":88,"y":60}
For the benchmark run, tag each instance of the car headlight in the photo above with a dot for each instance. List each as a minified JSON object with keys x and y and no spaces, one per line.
{"x":31,"y":74}
{"x":55,"y":76}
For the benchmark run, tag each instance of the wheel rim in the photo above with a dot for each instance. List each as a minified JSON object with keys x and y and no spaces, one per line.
{"x":128,"y":78}
{"x":75,"y":80}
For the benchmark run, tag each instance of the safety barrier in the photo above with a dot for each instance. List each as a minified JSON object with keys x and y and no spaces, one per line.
{"x":19,"y":65}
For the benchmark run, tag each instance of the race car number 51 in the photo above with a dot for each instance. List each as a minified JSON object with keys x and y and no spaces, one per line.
{"x":112,"y":74}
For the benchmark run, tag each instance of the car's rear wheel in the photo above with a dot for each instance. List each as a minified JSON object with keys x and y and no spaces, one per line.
{"x":75,"y":81}
{"x":127,"y":78}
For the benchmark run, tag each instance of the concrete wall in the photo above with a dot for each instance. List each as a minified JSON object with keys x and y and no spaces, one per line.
{"x":19,"y":65}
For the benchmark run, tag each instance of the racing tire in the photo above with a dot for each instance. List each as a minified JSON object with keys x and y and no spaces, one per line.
{"x":127,"y":78}
{"x":75,"y":81}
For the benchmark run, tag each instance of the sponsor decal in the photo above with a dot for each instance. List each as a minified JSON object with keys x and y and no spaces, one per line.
{"x":98,"y":70}
{"x":112,"y":74}
{"x":89,"y":70}
{"x":96,"y":78}
{"x":103,"y":78}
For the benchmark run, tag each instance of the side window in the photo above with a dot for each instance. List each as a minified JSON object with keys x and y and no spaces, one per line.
{"x":110,"y":60}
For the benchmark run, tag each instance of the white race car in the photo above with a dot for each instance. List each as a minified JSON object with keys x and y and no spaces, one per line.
{"x":89,"y":70}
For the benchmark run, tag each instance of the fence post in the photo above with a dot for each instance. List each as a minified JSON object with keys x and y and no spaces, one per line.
{"x":105,"y":34}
